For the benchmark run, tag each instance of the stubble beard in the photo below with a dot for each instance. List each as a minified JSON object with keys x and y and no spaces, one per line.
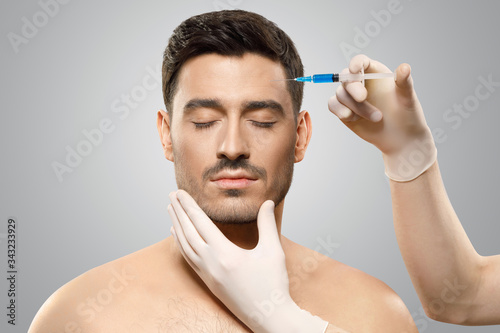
{"x":240,"y":210}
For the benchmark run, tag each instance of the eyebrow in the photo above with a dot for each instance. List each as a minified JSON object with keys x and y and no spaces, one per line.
{"x":266,"y":104}
{"x":196,"y":103}
{"x":214,"y":103}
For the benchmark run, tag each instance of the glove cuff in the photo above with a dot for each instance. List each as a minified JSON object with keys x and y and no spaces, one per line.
{"x":292,"y":319}
{"x":412,"y":161}
{"x":311,"y":323}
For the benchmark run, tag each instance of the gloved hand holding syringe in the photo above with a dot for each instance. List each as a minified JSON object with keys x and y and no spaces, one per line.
{"x":404,"y":130}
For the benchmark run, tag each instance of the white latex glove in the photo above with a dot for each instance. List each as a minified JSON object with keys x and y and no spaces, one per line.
{"x":253,"y":284}
{"x":399,"y":131}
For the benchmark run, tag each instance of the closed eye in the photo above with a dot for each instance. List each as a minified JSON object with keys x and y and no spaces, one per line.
{"x":204,"y":125}
{"x":263,"y":124}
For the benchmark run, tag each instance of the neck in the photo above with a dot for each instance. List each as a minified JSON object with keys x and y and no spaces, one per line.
{"x":246,"y":235}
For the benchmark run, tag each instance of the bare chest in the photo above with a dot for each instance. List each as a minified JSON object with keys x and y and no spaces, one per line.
{"x":175,"y":314}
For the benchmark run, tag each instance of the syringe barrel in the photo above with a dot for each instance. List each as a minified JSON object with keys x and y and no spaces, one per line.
{"x":322,"y":78}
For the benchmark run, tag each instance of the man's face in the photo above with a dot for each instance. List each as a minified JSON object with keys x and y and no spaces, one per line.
{"x":233,"y":134}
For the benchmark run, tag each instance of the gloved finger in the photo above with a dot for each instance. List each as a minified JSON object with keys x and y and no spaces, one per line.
{"x":404,"y":85}
{"x":201,"y":222}
{"x":355,"y":88}
{"x":358,"y":64}
{"x":340,"y":110}
{"x":185,"y":226}
{"x":362,"y":62}
{"x":184,"y":255}
{"x":187,"y":251}
{"x":266,"y":223}
{"x":364,"y":109}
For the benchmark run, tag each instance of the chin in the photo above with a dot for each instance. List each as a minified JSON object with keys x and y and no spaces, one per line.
{"x":232,"y":210}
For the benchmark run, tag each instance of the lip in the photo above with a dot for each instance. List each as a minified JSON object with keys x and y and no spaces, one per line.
{"x":227,"y":183}
{"x":235,"y":179}
{"x":236,"y":174}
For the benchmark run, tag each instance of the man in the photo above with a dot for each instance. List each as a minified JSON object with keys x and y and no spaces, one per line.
{"x":233,"y":133}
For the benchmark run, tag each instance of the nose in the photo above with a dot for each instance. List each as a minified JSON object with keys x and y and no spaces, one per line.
{"x":234,"y":143}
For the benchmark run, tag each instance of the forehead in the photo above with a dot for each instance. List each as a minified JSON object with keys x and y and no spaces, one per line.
{"x":232,"y":80}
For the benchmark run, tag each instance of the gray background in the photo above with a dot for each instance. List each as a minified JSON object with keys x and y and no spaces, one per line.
{"x":66,"y":78}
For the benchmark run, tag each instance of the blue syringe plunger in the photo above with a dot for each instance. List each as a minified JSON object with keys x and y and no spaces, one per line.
{"x":319,"y":78}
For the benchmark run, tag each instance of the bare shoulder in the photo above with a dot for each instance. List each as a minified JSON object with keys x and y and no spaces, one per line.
{"x":81,"y":304}
{"x":345,"y":296}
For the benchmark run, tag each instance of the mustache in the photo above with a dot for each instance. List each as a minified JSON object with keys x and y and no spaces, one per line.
{"x":239,"y":163}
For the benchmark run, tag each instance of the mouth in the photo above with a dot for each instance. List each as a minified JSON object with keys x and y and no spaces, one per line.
{"x":233,"y":180}
{"x":227,"y":183}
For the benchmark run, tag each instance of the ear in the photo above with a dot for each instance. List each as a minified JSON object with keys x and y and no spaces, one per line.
{"x":304,"y":132}
{"x":163,"y":124}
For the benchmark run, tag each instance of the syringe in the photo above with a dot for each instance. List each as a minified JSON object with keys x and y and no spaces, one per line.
{"x":344,"y":77}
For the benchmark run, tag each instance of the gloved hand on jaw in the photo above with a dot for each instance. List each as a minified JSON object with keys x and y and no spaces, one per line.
{"x":242,"y":279}
{"x":388,"y":114}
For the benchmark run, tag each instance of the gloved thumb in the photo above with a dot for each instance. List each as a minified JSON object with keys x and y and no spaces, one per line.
{"x":266,"y":223}
{"x":404,"y":82}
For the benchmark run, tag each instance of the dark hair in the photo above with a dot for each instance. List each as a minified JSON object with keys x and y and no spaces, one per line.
{"x":230,"y":33}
